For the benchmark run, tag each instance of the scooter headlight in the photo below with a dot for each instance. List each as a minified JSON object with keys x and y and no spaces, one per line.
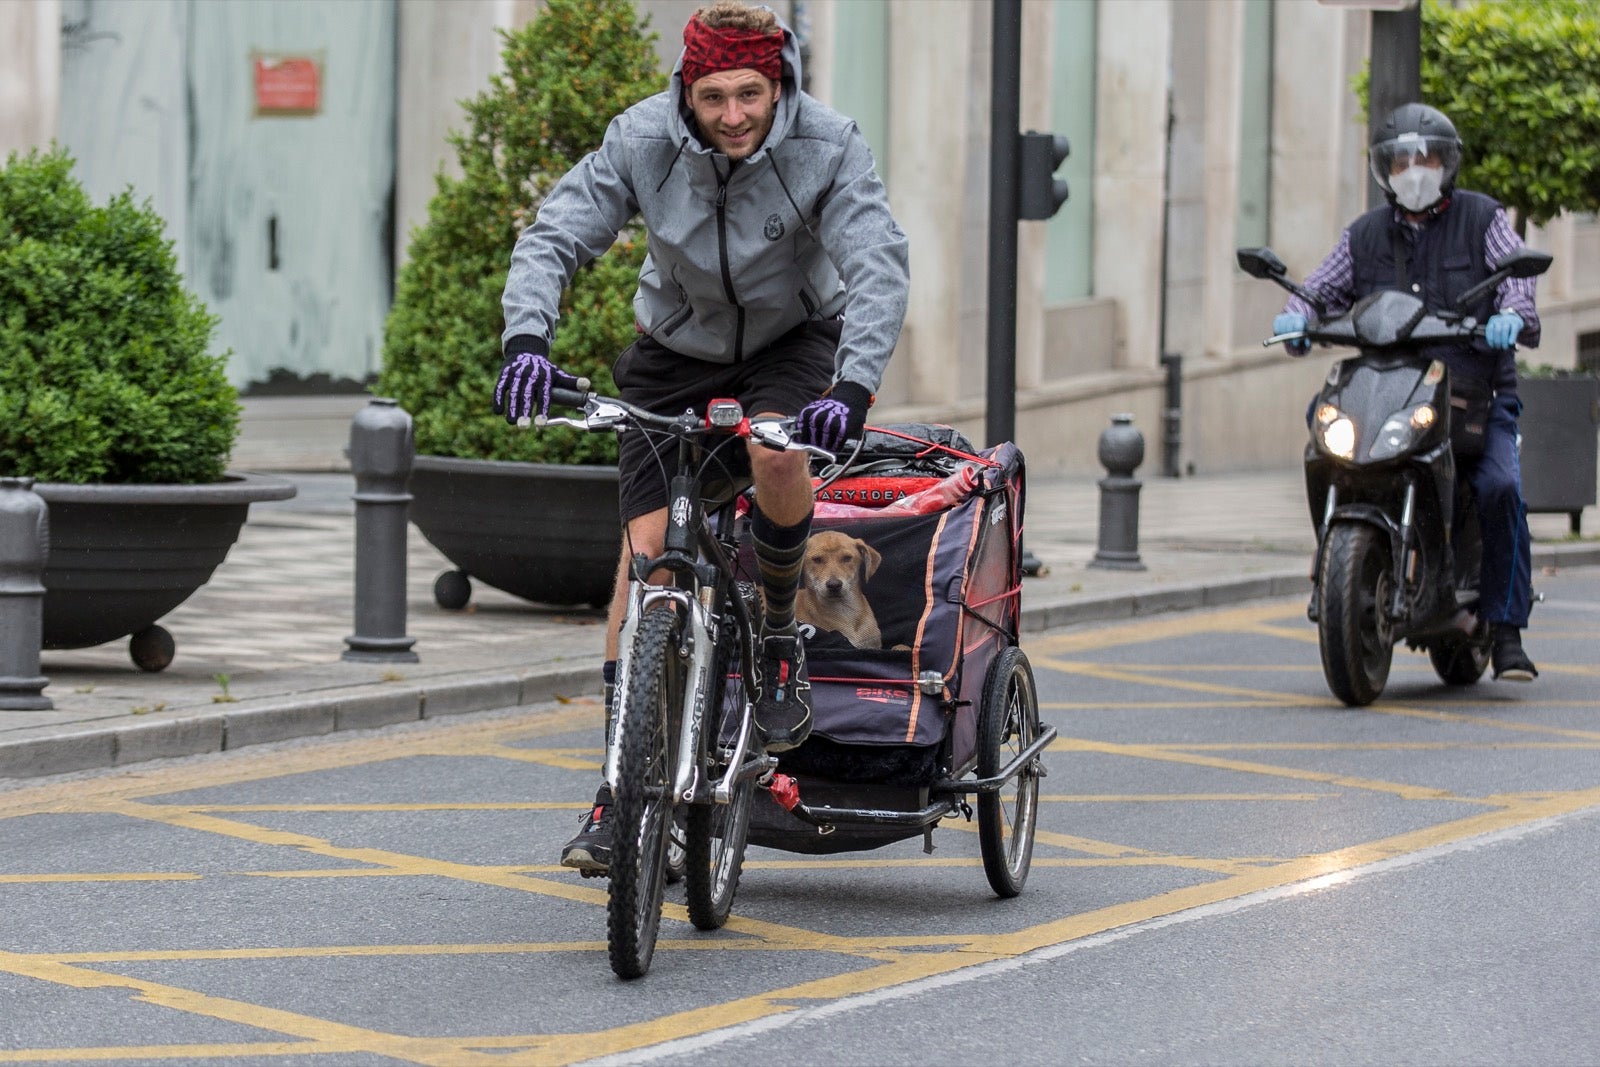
{"x":1335,"y":432}
{"x":1402,"y":430}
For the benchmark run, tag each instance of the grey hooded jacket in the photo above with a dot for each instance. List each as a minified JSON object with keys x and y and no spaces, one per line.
{"x":738,"y":254}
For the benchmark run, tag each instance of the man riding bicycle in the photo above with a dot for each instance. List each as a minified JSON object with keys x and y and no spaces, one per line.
{"x":775,"y":274}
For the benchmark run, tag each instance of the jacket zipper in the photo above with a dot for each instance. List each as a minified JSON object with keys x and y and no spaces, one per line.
{"x":727,"y":275}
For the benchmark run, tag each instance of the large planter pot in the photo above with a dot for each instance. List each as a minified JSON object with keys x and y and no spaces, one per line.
{"x":122,"y":556}
{"x":1559,"y":424}
{"x":541,"y":531}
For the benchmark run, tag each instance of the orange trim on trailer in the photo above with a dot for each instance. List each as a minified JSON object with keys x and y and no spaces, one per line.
{"x":922,"y":625}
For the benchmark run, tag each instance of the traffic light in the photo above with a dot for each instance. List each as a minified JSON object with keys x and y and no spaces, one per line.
{"x":1040,"y":192}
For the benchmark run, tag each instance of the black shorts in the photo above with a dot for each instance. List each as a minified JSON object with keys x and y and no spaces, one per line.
{"x":782,"y":378}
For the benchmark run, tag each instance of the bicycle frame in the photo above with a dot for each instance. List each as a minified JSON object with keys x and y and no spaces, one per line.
{"x":698,"y":556}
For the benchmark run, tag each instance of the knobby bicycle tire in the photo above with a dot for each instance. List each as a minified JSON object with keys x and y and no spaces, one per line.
{"x":717,"y":833}
{"x":642,"y":794}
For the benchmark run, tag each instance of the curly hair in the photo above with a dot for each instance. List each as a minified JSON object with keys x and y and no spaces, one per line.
{"x":732,"y":14}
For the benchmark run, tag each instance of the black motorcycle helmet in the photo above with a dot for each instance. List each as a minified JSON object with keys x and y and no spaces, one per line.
{"x":1415,"y":133}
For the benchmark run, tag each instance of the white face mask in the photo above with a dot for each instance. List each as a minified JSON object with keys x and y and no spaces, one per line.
{"x":1417,"y":187}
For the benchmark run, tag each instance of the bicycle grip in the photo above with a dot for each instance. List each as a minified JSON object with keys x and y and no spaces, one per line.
{"x":571,"y":398}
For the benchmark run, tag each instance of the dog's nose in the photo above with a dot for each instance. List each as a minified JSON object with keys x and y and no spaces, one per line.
{"x":834,"y":585}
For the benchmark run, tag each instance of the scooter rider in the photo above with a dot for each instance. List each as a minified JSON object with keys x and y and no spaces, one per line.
{"x":1438,"y":241}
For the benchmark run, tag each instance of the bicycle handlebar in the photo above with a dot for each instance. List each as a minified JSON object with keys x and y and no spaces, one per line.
{"x":609,"y":413}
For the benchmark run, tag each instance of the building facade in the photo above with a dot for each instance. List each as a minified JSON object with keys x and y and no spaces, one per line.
{"x":1196,"y":126}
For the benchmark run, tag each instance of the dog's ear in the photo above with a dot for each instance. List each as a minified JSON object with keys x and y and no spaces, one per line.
{"x":870,"y":559}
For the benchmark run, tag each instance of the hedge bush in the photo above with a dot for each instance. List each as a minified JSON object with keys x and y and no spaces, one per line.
{"x":104,"y":371}
{"x":566,"y":75}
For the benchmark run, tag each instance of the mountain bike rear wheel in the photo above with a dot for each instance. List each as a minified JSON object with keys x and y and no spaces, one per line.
{"x":642,"y":794}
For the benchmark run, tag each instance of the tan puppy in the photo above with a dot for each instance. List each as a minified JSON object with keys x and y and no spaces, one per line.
{"x":832,"y":592}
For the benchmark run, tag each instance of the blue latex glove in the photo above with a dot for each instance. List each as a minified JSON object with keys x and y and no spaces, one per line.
{"x":523,"y":390}
{"x":1289,"y":322}
{"x":834,"y":419}
{"x":1502,"y":328}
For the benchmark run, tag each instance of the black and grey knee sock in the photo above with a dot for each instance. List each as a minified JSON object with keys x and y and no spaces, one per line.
{"x":779,"y":552}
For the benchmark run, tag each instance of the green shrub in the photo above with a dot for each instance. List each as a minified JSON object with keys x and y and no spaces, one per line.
{"x":104,"y":371}
{"x":567,"y":74}
{"x":1521,"y":81}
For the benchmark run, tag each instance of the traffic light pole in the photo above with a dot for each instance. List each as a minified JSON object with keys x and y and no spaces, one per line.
{"x":1005,"y":149}
{"x":1005,"y":115}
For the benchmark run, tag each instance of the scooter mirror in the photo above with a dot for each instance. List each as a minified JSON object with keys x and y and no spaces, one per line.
{"x":1261,"y":263}
{"x":1523,"y":263}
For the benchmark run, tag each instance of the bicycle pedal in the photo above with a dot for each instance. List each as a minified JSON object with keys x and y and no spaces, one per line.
{"x":594,"y":874}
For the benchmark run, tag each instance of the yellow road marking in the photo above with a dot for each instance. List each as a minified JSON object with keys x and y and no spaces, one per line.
{"x":331,"y":1036}
{"x":1271,"y":698}
{"x":526,"y":805}
{"x":1113,"y":673}
{"x":893,"y":968}
{"x":1296,"y":870}
{"x":101,"y":876}
{"x":1174,"y":755}
{"x":169,"y":1052}
{"x":1282,"y":633}
{"x":1148,"y":631}
{"x":1168,"y":798}
{"x":1379,"y":746}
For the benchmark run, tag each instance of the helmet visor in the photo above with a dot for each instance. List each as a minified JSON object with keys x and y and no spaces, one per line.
{"x":1396,"y":155}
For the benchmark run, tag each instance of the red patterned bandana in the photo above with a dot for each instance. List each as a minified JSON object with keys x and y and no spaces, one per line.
{"x":708,"y":51}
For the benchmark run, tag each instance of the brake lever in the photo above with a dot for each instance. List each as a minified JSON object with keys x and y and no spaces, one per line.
{"x":771,"y":433}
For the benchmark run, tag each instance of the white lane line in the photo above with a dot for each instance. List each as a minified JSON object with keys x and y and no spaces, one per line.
{"x":978,"y":972}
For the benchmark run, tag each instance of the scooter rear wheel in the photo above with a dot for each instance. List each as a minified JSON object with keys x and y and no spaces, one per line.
{"x":1353,"y":629}
{"x":1460,"y":660}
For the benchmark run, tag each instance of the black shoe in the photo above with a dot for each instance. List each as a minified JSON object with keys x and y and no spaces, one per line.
{"x":783,"y":708}
{"x":590,"y":851}
{"x":1511,"y":664}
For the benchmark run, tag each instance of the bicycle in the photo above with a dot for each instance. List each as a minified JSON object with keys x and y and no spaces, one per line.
{"x":682,"y":737}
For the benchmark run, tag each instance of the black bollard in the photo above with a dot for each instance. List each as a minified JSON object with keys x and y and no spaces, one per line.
{"x":381,"y":449}
{"x":1121,"y":451}
{"x":24,"y":547}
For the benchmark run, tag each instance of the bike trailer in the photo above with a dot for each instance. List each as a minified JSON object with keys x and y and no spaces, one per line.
{"x":930,"y":528}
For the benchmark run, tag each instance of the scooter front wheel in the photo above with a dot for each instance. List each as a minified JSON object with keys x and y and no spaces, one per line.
{"x":1353,"y":630}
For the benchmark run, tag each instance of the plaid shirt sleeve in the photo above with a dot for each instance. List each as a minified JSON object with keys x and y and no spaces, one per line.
{"x":1514,"y":294}
{"x":1331,"y":283}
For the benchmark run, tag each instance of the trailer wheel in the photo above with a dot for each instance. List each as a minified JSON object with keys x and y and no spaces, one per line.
{"x":1008,"y":722}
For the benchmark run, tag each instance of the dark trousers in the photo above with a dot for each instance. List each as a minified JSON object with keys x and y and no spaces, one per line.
{"x":1505,"y":585}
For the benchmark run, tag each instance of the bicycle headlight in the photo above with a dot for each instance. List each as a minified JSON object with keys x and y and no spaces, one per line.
{"x":1335,"y":432}
{"x":724,"y":414}
{"x":1402,"y":430}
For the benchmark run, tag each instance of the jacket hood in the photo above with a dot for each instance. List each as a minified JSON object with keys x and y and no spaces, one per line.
{"x":782,"y":120}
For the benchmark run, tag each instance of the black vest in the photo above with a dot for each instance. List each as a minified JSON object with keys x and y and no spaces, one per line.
{"x":1446,"y":257}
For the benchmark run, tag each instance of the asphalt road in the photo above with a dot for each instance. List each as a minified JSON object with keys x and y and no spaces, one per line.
{"x":1230,"y":868}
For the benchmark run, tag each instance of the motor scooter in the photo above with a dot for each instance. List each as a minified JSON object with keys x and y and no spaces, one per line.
{"x":1398,"y":544}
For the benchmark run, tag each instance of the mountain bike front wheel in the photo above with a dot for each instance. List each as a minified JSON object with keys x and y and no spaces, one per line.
{"x":642,"y":794}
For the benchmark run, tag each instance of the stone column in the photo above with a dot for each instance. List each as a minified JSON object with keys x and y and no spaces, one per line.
{"x":1134,"y":38}
{"x":30,"y":74}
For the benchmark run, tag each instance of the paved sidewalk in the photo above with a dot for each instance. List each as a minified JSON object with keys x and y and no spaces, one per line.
{"x":259,"y":645}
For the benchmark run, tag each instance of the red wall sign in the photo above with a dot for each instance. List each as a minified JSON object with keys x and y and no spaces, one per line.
{"x":288,"y":85}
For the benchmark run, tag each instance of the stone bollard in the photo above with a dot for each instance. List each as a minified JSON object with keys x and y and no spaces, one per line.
{"x":381,"y":449}
{"x":1121,"y":451}
{"x":24,"y":547}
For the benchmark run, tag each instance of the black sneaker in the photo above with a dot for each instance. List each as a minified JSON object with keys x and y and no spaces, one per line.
{"x":1511,"y":664}
{"x":783,"y":708}
{"x":590,"y":851}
